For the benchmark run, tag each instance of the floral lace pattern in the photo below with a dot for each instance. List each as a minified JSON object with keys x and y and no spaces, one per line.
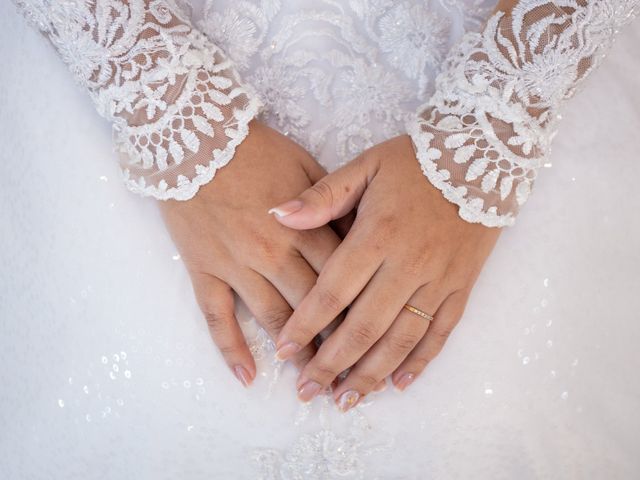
{"x":360,"y":85}
{"x":327,"y":452}
{"x":177,"y":106}
{"x":339,"y":77}
{"x":327,"y":444}
{"x":486,"y":131}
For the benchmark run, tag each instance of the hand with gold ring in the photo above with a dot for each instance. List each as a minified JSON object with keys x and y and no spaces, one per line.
{"x":407,"y":246}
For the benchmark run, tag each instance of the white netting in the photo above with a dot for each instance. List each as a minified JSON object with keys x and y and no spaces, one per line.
{"x":486,"y":131}
{"x":177,"y":105}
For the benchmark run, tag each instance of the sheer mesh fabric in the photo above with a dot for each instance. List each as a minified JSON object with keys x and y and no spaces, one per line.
{"x":179,"y":108}
{"x":177,"y":105}
{"x":486,"y":132}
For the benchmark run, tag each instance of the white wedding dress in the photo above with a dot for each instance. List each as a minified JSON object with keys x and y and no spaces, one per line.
{"x":108,"y":370}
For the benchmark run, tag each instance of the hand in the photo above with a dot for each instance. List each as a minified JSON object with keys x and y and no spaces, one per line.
{"x":229,"y":242}
{"x":407,"y":245}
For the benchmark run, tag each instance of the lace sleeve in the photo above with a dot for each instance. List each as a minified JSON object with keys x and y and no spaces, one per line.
{"x":486,"y":131}
{"x":177,"y":105}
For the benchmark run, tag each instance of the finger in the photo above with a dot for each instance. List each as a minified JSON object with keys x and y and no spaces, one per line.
{"x":381,"y":386}
{"x":293,"y":281}
{"x":342,"y":225}
{"x":446,"y":318}
{"x":316,"y":246}
{"x":215,"y":299}
{"x":344,"y":275}
{"x":315,"y":172}
{"x":269,"y":308}
{"x":389,"y":352}
{"x":368,"y":319}
{"x":330,"y":198}
{"x":292,"y":277}
{"x":312,"y":168}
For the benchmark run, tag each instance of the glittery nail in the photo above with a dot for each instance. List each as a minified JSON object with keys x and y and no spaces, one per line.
{"x":348,"y":399}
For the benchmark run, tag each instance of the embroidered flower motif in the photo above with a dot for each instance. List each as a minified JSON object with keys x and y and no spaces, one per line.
{"x":363,"y":94}
{"x":281,"y":91}
{"x":337,"y":448}
{"x":413,"y":37}
{"x":84,"y":56}
{"x":495,"y":108}
{"x":161,"y":84}
{"x":233,"y":31}
{"x":171,"y":65}
{"x":152,"y":99}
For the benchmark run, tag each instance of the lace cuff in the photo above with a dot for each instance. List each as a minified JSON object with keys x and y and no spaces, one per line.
{"x":178,"y":107}
{"x":484,"y":134}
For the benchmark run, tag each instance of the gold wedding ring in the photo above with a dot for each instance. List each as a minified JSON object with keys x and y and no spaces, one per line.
{"x":418,"y":312}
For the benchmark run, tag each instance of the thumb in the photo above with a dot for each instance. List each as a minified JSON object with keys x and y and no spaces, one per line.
{"x":330,"y":198}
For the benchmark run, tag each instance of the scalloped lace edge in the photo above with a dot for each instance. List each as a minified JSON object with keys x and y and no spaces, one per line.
{"x":467,"y":210}
{"x":187,"y":189}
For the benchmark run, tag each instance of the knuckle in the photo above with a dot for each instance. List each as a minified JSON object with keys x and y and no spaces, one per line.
{"x":263,"y":247}
{"x":402,"y":342}
{"x":330,"y":300}
{"x":442,"y":334}
{"x":227,"y":349}
{"x":324,"y":191}
{"x":324,"y":371}
{"x":367,"y":380}
{"x":216,"y":321}
{"x":416,"y":265}
{"x":364,"y":334}
{"x":273,"y":320}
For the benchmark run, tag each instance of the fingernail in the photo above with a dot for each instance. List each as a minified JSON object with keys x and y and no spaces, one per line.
{"x":348,"y":399}
{"x":287,"y":208}
{"x":405,"y":381}
{"x":309,"y":390}
{"x":380,"y":387}
{"x":242,"y":374}
{"x":287,"y":350}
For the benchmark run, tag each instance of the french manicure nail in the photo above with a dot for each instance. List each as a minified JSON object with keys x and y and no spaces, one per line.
{"x":287,"y":208}
{"x":348,"y":399}
{"x":405,"y":381}
{"x":242,"y":374}
{"x":309,"y":390}
{"x":287,"y":350}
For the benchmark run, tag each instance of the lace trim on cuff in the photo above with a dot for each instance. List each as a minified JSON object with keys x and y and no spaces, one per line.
{"x":471,"y":209}
{"x":187,"y":187}
{"x":486,"y":131}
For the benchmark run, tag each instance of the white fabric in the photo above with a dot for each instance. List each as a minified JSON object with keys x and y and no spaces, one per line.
{"x":177,"y":105}
{"x":537,"y":381}
{"x":179,"y":109}
{"x":486,"y":132}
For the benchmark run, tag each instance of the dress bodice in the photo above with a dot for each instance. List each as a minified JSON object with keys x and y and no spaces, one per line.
{"x":339,"y":77}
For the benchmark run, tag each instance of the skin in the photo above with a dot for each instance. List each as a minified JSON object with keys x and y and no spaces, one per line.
{"x":398,"y":251}
{"x":407,"y":245}
{"x":229,"y":243}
